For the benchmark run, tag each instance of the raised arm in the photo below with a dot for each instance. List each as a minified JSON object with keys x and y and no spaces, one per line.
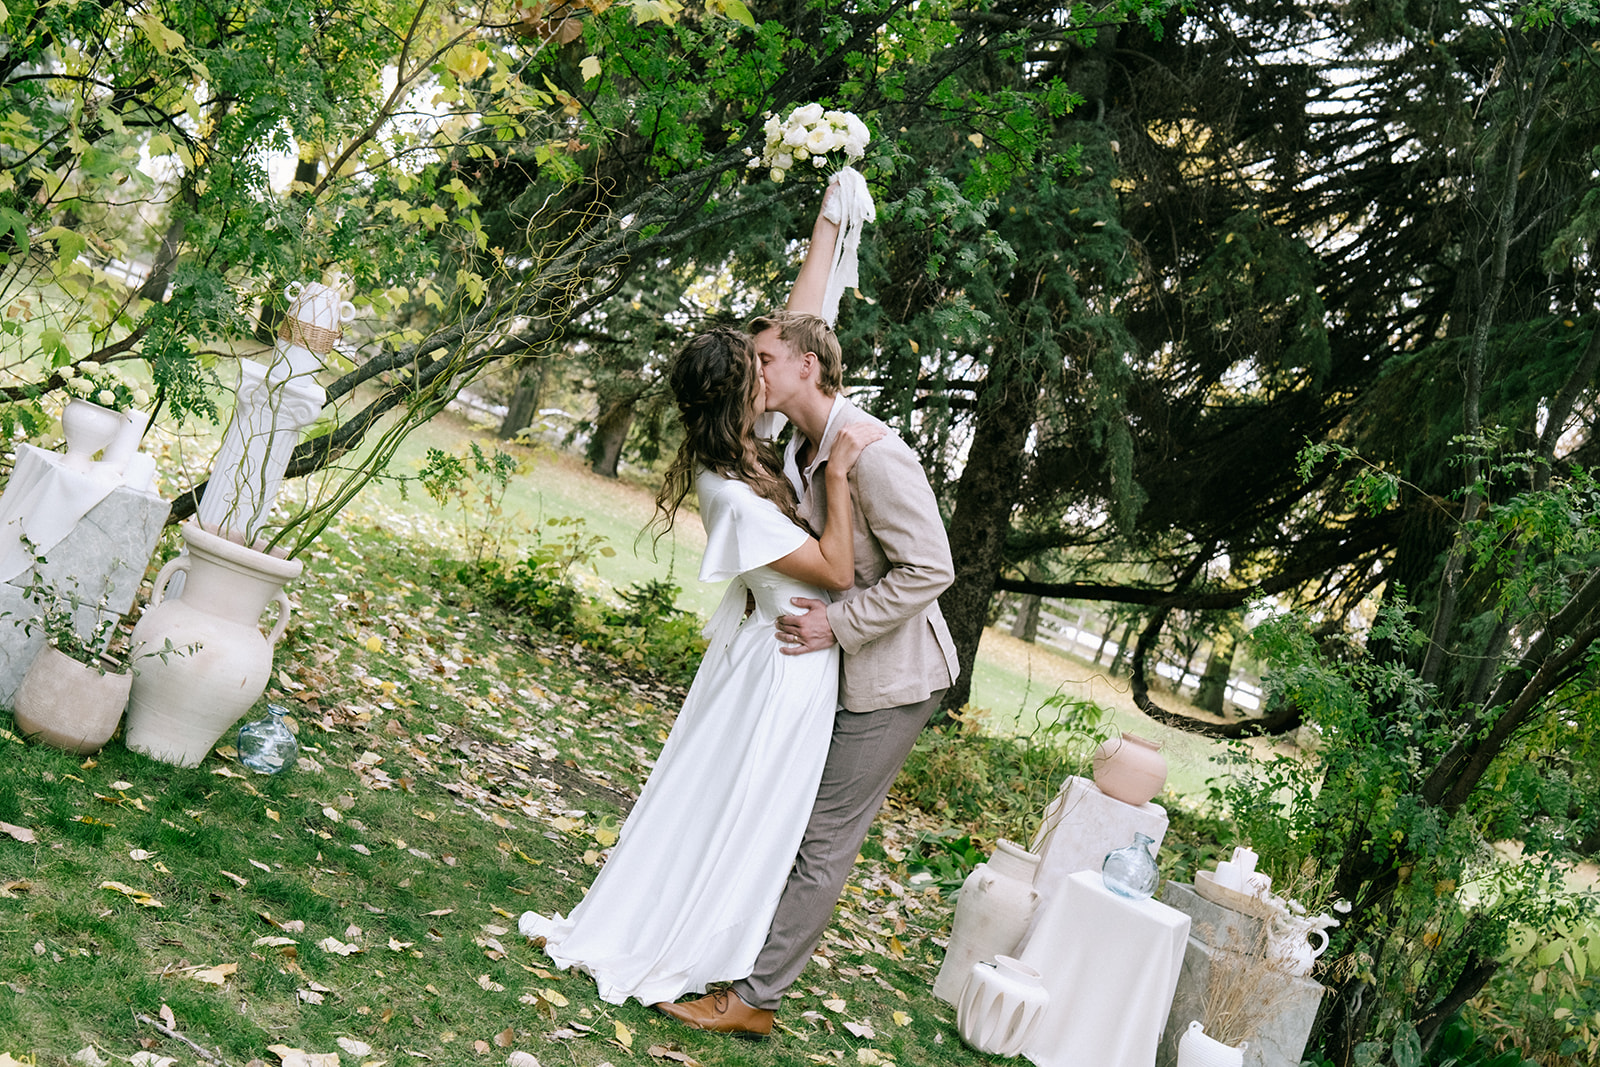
{"x":812,"y":283}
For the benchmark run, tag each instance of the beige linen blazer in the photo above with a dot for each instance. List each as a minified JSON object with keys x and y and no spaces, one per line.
{"x":897,"y":648}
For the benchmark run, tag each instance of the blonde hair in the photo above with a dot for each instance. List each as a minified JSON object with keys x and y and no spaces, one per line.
{"x":808,"y":333}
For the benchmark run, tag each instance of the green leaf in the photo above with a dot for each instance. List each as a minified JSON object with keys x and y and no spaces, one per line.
{"x":734,"y":9}
{"x":54,"y":344}
{"x":68,"y":244}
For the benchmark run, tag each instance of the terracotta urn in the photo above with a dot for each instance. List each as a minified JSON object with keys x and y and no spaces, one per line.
{"x":183,"y":701}
{"x":1130,"y":769}
{"x":1001,"y":1006}
{"x":69,"y":705}
{"x":993,"y":911}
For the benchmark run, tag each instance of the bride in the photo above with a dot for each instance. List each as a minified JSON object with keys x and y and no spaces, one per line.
{"x":691,"y":886}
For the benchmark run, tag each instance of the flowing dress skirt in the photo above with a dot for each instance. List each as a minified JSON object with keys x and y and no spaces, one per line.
{"x":690,"y":888}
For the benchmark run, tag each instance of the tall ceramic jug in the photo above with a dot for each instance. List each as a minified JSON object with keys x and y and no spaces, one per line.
{"x":992,"y":913}
{"x":183,"y":701}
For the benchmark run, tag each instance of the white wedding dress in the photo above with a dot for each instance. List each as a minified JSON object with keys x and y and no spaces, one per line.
{"x":690,"y":888}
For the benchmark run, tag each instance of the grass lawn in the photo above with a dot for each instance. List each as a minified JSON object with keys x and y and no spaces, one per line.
{"x":457,"y":770}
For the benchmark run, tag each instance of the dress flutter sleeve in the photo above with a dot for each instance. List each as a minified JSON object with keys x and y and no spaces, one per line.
{"x":743,"y":530}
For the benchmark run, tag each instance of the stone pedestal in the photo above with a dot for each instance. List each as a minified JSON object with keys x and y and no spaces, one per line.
{"x":1081,"y":825}
{"x":1226,"y":946}
{"x":111,"y":544}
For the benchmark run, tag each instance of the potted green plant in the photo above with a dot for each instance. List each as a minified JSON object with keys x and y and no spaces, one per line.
{"x":77,"y":685}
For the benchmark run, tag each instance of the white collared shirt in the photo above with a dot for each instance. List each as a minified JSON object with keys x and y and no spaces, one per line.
{"x":801,"y":480}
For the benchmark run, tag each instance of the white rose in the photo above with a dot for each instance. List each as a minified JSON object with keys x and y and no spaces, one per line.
{"x":141,"y":397}
{"x":794,"y":136}
{"x":783,"y":161}
{"x":801,"y":155}
{"x":776,"y":174}
{"x":808,"y":114}
{"x":819,"y":161}
{"x":821,"y":140}
{"x":68,"y":372}
{"x":106,"y":398}
{"x":773,"y":128}
{"x":753,"y":164}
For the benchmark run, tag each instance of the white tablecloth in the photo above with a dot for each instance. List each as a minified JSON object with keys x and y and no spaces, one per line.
{"x":1111,"y":965}
{"x":43,"y":501}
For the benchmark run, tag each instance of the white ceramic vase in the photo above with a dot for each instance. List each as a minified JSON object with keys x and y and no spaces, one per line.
{"x":992,"y":913}
{"x":182,"y":702}
{"x":126,"y":443}
{"x":65,"y":704}
{"x":88,"y":428}
{"x":1196,"y":1049}
{"x":1001,"y":1006}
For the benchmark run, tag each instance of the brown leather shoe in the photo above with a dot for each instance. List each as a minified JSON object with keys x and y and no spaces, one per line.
{"x":721,"y":1012}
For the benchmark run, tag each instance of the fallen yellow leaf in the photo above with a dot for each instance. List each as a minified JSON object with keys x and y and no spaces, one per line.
{"x":624,"y":1035}
{"x":901,"y":1018}
{"x":138,"y":896}
{"x":217,"y":975}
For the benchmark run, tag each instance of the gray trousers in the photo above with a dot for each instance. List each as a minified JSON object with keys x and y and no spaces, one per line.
{"x":864,"y":758}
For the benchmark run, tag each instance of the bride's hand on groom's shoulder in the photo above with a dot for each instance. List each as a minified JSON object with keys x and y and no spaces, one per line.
{"x":851,"y":441}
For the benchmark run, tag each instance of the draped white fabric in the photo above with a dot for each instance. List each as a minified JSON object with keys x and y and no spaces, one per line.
{"x":1111,"y":965}
{"x":852,"y":208}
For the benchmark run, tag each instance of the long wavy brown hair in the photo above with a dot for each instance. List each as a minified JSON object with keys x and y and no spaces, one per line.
{"x":716,"y":379}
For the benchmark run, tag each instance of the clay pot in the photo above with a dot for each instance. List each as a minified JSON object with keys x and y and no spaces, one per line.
{"x":88,"y":428}
{"x":1001,"y":1006}
{"x":182,"y":702}
{"x":69,"y":705}
{"x":993,"y":911}
{"x":1195,"y":1049}
{"x":1130,"y":769}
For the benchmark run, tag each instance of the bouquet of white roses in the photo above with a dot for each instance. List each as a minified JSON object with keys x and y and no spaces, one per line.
{"x":810,"y":133}
{"x":102,"y":384}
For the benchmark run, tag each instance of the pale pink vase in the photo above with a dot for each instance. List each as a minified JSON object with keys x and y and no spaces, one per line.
{"x":1130,"y":769}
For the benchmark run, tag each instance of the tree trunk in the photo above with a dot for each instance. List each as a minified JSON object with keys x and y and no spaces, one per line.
{"x":984,"y":500}
{"x":1123,"y":650}
{"x":1105,"y":638}
{"x":525,"y":399}
{"x":1026,"y":625}
{"x":610,"y":434}
{"x":1214,"y":682}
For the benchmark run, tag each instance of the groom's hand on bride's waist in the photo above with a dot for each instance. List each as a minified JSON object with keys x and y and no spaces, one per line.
{"x":806,"y":632}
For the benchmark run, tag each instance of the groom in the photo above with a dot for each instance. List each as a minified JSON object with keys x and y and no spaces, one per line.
{"x":898,"y":656}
